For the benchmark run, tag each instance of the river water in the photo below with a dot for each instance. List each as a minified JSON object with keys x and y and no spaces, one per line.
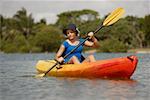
{"x":17,"y":81}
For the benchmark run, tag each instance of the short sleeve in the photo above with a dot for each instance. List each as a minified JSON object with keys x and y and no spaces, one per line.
{"x":65,"y":44}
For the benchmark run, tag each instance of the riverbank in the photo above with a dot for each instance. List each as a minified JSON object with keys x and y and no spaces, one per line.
{"x":139,"y":50}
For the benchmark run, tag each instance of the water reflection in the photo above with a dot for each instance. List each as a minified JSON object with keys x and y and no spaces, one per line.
{"x":120,"y":89}
{"x":93,"y":88}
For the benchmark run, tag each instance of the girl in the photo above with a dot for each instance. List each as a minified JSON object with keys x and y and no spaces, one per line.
{"x":71,"y":42}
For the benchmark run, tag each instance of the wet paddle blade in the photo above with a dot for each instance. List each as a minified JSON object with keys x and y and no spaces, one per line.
{"x":40,"y":75}
{"x":114,"y":17}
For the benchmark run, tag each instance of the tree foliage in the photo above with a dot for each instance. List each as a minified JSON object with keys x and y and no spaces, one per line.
{"x":21,"y":34}
{"x":24,"y":22}
{"x":76,"y":17}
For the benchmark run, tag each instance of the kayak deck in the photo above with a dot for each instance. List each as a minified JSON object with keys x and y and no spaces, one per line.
{"x":122,"y":67}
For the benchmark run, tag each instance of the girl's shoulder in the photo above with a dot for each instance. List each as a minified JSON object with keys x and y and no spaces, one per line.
{"x":65,"y":43}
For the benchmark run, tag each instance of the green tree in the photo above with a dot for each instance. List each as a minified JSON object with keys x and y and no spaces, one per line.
{"x":146,"y":28}
{"x":112,"y":45}
{"x":48,"y":38}
{"x":135,"y":27}
{"x":8,"y":31}
{"x":128,"y":30}
{"x":21,"y":34}
{"x":77,"y":17}
{"x":1,"y":25}
{"x":24,"y":22}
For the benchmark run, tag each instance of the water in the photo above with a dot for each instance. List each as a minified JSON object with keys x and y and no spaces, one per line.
{"x":17,"y":81}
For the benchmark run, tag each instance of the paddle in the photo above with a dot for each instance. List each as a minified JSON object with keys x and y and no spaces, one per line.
{"x":111,"y":19}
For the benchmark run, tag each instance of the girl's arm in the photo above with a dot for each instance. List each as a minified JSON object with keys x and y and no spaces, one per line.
{"x":58,"y":55}
{"x":93,"y":43}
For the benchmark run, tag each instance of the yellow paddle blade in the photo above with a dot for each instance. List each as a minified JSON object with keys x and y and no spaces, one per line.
{"x":114,"y":17}
{"x":40,"y":75}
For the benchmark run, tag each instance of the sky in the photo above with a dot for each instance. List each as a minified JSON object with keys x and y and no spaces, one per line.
{"x":49,"y":9}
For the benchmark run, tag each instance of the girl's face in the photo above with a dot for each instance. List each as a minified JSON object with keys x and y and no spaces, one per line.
{"x":71,"y":34}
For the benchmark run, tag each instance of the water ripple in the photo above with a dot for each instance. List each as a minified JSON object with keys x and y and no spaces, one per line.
{"x":18,"y":82}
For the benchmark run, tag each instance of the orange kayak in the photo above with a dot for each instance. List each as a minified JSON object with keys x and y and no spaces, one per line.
{"x":121,"y":68}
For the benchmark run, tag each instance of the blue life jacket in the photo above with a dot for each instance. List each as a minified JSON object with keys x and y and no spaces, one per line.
{"x":77,"y":52}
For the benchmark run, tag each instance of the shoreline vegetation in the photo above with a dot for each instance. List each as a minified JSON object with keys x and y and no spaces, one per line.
{"x":21,"y":34}
{"x":138,"y":50}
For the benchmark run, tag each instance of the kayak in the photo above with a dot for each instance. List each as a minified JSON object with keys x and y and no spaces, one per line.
{"x":121,"y":67}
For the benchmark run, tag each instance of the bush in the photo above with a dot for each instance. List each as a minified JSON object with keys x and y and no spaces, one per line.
{"x":112,"y":45}
{"x":48,"y":38}
{"x":18,"y":44}
{"x":36,"y":49}
{"x":10,"y":48}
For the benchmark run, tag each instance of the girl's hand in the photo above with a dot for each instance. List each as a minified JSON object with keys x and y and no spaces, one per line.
{"x":90,"y":35}
{"x":61,"y":59}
